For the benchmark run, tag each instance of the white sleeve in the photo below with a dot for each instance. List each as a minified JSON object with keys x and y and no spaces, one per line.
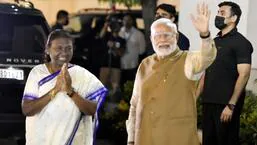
{"x":130,"y":123}
{"x":31,"y":91}
{"x":197,"y":61}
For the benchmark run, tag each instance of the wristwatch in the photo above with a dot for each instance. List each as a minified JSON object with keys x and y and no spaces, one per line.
{"x":231,"y":106}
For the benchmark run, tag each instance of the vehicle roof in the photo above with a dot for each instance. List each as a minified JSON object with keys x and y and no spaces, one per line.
{"x":107,"y":11}
{"x":12,"y":8}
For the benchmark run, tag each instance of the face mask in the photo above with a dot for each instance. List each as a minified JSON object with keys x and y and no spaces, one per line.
{"x":220,"y":22}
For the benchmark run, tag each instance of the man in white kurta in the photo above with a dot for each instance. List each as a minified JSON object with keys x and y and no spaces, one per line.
{"x":163,"y":103}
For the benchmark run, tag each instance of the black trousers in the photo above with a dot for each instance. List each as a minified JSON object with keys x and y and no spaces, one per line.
{"x":216,"y":132}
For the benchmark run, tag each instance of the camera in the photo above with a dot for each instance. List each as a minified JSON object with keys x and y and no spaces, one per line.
{"x":114,"y":23}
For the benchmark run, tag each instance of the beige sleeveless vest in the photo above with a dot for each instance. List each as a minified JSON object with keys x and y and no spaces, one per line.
{"x":168,"y":115}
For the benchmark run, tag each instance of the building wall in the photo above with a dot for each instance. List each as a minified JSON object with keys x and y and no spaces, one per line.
{"x":251,"y":35}
{"x":173,"y":2}
{"x":50,"y":7}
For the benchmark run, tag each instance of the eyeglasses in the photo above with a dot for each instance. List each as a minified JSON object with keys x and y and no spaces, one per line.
{"x":165,"y":35}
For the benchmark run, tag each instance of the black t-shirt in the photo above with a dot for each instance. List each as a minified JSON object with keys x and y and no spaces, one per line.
{"x":111,"y":57}
{"x":220,"y":78}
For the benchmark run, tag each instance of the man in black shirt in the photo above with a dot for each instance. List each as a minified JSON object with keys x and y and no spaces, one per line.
{"x":169,"y":12}
{"x":225,"y":80}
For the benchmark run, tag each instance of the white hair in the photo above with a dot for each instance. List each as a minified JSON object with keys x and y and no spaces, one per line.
{"x":164,"y":21}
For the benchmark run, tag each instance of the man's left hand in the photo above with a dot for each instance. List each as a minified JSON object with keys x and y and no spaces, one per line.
{"x":226,"y":115}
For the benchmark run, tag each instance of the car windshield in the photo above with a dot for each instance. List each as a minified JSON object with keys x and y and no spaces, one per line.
{"x":22,"y":33}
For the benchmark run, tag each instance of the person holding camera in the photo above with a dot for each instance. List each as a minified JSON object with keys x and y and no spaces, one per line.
{"x":115,"y":45}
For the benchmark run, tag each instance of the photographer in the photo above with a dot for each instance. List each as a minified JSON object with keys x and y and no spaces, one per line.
{"x":115,"y":46}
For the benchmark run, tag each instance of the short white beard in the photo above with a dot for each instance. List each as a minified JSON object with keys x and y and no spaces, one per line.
{"x":165,"y":52}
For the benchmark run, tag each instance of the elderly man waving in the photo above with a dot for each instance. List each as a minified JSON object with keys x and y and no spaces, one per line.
{"x":163,"y":109}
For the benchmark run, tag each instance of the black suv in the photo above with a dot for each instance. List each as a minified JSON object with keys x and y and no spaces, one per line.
{"x":23,"y":32}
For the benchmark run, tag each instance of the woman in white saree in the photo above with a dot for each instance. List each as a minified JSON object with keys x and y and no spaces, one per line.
{"x":61,"y":100}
